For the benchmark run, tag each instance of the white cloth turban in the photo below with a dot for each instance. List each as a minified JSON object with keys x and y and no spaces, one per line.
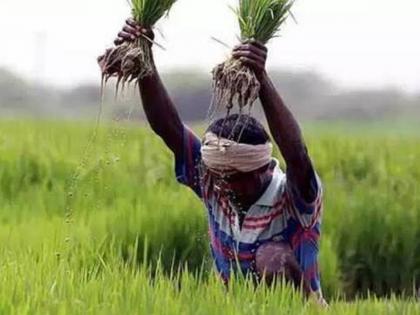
{"x":221,"y":154}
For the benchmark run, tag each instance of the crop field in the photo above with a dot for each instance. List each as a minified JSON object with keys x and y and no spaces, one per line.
{"x":104,"y":228}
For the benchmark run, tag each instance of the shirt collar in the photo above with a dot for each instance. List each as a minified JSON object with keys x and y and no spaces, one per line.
{"x":269,"y":197}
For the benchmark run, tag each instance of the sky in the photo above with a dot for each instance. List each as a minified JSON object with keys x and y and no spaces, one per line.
{"x":355,"y":44}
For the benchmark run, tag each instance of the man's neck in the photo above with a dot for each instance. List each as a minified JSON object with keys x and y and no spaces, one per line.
{"x":248,"y":203}
{"x":242,"y":206}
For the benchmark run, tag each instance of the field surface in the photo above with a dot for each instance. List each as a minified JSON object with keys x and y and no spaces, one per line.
{"x":102,"y":227}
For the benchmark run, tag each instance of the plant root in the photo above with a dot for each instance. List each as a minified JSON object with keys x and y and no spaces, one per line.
{"x":127,"y":62}
{"x":233,"y":84}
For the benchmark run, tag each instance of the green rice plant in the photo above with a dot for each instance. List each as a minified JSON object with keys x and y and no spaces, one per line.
{"x":133,"y":61}
{"x":262,"y":19}
{"x":135,"y":226}
{"x":233,"y":82}
{"x":148,"y":12}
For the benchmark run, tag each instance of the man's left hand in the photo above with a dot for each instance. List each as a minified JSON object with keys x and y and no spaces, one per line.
{"x":253,"y":54}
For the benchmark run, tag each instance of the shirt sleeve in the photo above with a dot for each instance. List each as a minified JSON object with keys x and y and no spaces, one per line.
{"x":307,"y":255}
{"x":306,"y":213}
{"x":187,"y":164}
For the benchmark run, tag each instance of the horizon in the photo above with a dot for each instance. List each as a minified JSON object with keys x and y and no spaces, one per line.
{"x":207,"y":75}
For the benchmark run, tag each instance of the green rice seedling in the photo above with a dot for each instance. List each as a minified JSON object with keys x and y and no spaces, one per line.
{"x":233,"y":82}
{"x":132,"y":61}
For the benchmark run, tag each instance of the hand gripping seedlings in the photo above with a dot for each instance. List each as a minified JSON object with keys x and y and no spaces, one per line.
{"x":233,"y":82}
{"x":133,"y":61}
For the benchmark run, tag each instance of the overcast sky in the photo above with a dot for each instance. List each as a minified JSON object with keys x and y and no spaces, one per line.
{"x":357,"y":43}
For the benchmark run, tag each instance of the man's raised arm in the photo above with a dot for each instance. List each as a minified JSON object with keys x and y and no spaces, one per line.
{"x":283,"y":126}
{"x":287,"y":134}
{"x":158,"y":106}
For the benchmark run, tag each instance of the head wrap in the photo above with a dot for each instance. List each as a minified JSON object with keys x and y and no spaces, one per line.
{"x":221,"y":154}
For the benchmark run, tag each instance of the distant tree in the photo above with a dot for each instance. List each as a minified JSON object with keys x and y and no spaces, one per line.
{"x":310,"y":96}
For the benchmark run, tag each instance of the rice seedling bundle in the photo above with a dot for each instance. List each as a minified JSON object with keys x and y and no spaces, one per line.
{"x":132,"y":61}
{"x":234,"y":82}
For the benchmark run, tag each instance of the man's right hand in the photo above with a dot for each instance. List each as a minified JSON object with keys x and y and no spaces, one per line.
{"x":132,"y":31}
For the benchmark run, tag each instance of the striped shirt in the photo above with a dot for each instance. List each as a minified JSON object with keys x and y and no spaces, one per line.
{"x":281,"y":214}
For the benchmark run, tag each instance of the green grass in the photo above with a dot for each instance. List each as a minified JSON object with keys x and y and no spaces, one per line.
{"x":132,"y":226}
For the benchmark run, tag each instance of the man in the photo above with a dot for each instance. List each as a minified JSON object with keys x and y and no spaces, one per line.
{"x":261,"y":221}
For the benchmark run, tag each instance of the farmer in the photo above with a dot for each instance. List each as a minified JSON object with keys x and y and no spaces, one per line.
{"x":261,"y":220}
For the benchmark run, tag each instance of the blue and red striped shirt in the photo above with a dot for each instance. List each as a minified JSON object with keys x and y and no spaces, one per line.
{"x":281,"y":214}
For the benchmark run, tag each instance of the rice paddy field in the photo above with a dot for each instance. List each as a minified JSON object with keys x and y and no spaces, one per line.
{"x":105,"y":229}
